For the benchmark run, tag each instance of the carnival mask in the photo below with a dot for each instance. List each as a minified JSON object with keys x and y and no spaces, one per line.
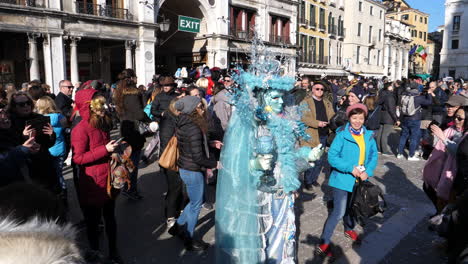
{"x":274,"y":101}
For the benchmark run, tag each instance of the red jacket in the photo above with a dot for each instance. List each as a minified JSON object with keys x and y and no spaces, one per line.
{"x":90,"y":153}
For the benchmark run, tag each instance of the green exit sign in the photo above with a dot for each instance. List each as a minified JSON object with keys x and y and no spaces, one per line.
{"x":189,"y":24}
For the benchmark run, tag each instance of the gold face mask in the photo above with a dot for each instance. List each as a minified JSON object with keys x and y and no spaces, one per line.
{"x":98,"y":104}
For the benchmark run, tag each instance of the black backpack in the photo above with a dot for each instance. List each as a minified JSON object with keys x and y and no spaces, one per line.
{"x":365,"y":201}
{"x":373,"y":121}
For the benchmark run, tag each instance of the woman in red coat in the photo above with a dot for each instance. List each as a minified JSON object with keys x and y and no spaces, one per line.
{"x":91,"y":148}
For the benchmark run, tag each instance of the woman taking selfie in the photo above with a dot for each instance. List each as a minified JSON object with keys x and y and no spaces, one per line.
{"x":91,"y":146}
{"x":352,"y":138}
{"x":194,"y":157}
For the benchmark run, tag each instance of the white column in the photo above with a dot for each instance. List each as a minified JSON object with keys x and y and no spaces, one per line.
{"x":406,"y":64}
{"x":33,"y":56}
{"x":47,"y":60}
{"x":57,"y":61}
{"x":386,"y":58}
{"x":128,"y":54}
{"x":144,"y":55}
{"x":400,"y":64}
{"x":74,"y":77}
{"x":392,"y":63}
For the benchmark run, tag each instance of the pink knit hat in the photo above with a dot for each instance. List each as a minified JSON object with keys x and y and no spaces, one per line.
{"x":355,"y":106}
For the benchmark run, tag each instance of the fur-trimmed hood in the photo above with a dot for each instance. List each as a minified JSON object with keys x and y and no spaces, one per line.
{"x":38,"y":241}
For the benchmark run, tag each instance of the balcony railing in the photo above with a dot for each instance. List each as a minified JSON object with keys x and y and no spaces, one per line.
{"x":280,"y":39}
{"x":110,"y":11}
{"x":33,"y":3}
{"x":322,"y":27}
{"x":88,"y":8}
{"x":102,"y":10}
{"x":242,"y":34}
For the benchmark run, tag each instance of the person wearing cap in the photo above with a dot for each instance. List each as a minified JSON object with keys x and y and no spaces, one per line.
{"x":194,"y":157}
{"x":452,"y":105}
{"x":316,"y":115}
{"x":352,"y":155}
{"x":411,"y":124}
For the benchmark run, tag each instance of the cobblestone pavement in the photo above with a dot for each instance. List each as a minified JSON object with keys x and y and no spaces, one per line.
{"x":400,"y":235}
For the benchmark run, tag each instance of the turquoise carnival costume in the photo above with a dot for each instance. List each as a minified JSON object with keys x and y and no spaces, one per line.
{"x":255,"y":221}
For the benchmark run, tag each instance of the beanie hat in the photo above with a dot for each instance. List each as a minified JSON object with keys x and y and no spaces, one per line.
{"x":187,"y":104}
{"x":355,"y":106}
{"x":358,"y":91}
{"x":341,"y":92}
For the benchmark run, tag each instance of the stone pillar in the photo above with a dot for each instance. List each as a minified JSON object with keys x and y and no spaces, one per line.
{"x":400,"y":64}
{"x":33,"y":56}
{"x":57,"y":61}
{"x":74,"y":75}
{"x":406,"y":63}
{"x":386,"y":57}
{"x":47,"y":60}
{"x":392,"y":63}
{"x":144,"y":55}
{"x":128,"y":54}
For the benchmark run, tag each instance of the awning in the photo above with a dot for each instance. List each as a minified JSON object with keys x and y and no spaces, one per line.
{"x":320,"y":72}
{"x":375,"y":75}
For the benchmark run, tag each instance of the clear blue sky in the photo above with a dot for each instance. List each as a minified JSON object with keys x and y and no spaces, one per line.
{"x":435,"y":8}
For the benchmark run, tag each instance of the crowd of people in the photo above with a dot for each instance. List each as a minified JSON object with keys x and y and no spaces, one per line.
{"x":39,"y":130}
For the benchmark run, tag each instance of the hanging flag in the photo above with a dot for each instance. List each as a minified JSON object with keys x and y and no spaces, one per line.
{"x":422,"y":52}
{"x":413,"y":49}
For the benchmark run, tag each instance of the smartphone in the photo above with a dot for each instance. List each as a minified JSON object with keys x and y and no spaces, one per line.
{"x":432,"y":123}
{"x":119,"y":140}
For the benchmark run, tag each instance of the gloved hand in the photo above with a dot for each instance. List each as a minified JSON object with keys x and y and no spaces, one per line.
{"x":262,"y":162}
{"x":316,"y":153}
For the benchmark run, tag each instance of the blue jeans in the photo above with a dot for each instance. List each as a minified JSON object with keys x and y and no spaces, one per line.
{"x":410,"y":129}
{"x":194,"y":181}
{"x":341,"y":199}
{"x":58,"y":167}
{"x":311,"y":175}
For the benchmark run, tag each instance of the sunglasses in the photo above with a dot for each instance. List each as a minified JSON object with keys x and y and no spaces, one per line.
{"x":319,"y":89}
{"x":69,"y":87}
{"x":23,"y":104}
{"x":459,"y":118}
{"x":228,"y":80}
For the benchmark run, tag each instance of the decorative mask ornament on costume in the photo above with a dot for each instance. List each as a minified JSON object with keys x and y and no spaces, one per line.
{"x":274,"y":101}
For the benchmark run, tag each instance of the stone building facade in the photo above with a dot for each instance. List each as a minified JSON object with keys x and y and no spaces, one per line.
{"x":397,"y":47}
{"x":95,"y":39}
{"x":454,"y":53}
{"x":364,"y":40}
{"x":321,"y":34}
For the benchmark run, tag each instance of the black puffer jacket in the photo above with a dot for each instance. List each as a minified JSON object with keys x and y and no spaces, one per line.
{"x":388,"y":110}
{"x":193,"y":149}
{"x":167,"y":129}
{"x":160,"y":104}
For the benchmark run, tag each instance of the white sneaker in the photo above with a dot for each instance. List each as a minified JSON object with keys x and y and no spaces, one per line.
{"x":414,"y":158}
{"x":399,"y":156}
{"x":170,"y":222}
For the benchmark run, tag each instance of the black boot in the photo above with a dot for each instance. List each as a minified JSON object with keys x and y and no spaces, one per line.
{"x":179,"y":231}
{"x":195,"y":245}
